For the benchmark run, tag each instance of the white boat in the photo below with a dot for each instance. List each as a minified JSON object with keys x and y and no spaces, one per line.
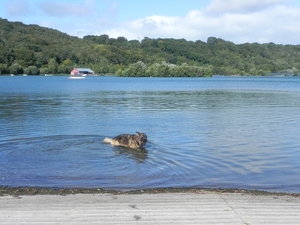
{"x":76,"y":77}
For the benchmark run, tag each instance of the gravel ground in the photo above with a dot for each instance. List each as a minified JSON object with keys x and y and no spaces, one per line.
{"x":17,"y":191}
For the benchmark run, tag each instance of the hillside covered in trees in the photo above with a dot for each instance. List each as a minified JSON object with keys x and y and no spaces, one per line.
{"x":35,"y":50}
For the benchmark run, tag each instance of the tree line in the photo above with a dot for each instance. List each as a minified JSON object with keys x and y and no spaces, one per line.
{"x":35,"y":50}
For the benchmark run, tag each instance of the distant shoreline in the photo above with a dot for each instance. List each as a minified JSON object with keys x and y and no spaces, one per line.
{"x":113,"y":75}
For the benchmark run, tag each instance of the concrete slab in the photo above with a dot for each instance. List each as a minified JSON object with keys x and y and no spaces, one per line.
{"x":167,"y":208}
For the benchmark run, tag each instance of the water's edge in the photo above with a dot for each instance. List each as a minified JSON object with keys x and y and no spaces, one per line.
{"x":21,"y":191}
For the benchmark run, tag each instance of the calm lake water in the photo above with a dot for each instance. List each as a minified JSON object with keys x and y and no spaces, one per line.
{"x":233,"y":132}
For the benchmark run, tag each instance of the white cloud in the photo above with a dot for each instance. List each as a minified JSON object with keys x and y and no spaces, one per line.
{"x":148,"y":26}
{"x":238,"y":6}
{"x":18,"y":8}
{"x":267,"y":21}
{"x":60,"y":9}
{"x":80,"y":19}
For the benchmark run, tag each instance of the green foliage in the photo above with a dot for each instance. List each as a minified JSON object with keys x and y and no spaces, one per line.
{"x":44,"y":70}
{"x":135,"y":69}
{"x":3,"y":68}
{"x":31,"y":70}
{"x":32,"y":49}
{"x":165,"y":69}
{"x":16,"y":69}
{"x":53,"y":66}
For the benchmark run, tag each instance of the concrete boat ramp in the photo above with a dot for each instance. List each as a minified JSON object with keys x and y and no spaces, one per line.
{"x":163,"y":208}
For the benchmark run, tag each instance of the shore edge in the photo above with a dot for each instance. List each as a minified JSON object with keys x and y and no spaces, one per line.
{"x":17,"y":191}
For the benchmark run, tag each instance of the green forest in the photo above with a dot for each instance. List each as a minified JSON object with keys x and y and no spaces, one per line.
{"x":35,"y":50}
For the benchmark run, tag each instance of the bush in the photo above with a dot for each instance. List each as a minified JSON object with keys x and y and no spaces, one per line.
{"x":32,"y":70}
{"x":16,"y":69}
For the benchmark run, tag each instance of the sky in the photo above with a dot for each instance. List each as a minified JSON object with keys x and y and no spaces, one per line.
{"x":238,"y":21}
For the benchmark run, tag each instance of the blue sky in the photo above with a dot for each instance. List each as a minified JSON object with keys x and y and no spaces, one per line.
{"x":239,"y":21}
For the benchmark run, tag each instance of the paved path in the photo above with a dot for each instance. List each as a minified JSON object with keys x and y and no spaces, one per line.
{"x":173,"y":208}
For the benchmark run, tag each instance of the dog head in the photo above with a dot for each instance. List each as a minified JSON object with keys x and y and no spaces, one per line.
{"x":141,"y":139}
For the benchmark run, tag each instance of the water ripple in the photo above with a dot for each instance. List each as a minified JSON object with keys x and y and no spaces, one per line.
{"x":240,"y":133}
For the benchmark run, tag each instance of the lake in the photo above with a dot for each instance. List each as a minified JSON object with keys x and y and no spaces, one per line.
{"x":227,"y":132}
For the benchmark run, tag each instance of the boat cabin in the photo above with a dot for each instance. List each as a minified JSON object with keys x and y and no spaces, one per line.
{"x":82,"y":71}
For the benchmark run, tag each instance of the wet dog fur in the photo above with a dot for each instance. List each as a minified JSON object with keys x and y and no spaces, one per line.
{"x":137,"y":140}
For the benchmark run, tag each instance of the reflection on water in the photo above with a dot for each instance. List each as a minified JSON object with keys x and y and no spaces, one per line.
{"x":219,"y":132}
{"x":139,"y":155}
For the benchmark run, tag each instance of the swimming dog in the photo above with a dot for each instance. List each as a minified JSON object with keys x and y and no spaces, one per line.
{"x":137,"y":140}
